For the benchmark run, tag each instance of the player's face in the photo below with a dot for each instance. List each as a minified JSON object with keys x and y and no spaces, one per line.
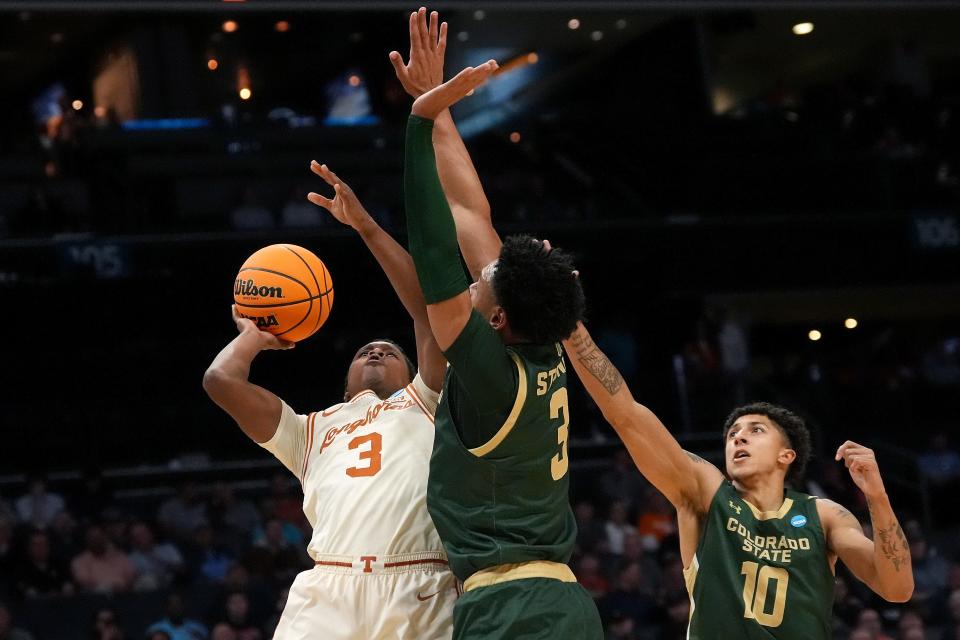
{"x":378,"y":366}
{"x":756,"y":447}
{"x":481,"y":291}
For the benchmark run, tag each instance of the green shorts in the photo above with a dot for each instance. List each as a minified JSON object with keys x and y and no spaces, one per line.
{"x":527,"y":609}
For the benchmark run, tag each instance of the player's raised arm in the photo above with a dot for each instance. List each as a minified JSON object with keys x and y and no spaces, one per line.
{"x":395,"y":262}
{"x":227,"y":381}
{"x":479,"y":242}
{"x":686,"y":479}
{"x":883,"y":563}
{"x":430,"y":225}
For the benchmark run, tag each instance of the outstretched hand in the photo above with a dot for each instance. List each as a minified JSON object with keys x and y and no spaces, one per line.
{"x":344,"y":206}
{"x":433,"y":102}
{"x":862,"y":464}
{"x":428,"y":44}
{"x":264,"y":339}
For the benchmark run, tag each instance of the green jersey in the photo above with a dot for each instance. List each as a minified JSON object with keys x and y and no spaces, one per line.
{"x":498,"y":487}
{"x":760,"y":575}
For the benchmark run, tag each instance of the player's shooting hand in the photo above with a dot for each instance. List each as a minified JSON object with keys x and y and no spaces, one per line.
{"x":433,"y":102}
{"x":428,"y":44}
{"x":263,"y":339}
{"x":862,"y":464}
{"x":345,"y":206}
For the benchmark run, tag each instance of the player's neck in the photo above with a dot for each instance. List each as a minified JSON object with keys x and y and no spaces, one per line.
{"x":765,"y":493}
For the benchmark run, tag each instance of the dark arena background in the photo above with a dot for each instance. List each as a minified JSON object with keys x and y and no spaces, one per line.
{"x":761,"y":197}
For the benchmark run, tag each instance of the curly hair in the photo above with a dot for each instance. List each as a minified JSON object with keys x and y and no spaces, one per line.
{"x":791,"y":426}
{"x":537,"y":288}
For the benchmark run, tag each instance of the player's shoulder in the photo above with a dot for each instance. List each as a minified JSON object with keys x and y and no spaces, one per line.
{"x":834,"y":514}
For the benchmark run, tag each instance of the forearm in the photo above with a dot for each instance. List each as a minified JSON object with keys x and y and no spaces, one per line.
{"x":658,"y":456}
{"x":398,"y":267}
{"x":479,"y":241}
{"x":233,"y":362}
{"x":891,"y":555}
{"x":430,"y":227}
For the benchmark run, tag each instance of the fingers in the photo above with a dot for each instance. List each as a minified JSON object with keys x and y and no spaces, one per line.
{"x":433,"y":33}
{"x":423,"y":29}
{"x":442,"y":41}
{"x":324,"y":172}
{"x":233,"y":312}
{"x":320,"y":201}
{"x":398,"y":67}
{"x":414,"y":35}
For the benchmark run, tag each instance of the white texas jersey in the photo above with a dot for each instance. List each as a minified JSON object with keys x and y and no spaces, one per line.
{"x":363,"y":465}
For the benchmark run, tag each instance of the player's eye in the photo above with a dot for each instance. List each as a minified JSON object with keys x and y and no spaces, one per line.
{"x":393,"y":355}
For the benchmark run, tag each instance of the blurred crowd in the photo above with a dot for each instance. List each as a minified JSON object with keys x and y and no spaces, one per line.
{"x":206,"y":562}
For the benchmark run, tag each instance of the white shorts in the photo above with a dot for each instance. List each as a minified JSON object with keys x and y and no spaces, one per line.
{"x":392,"y":598}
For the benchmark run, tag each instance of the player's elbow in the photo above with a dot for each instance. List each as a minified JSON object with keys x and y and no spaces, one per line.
{"x":900,"y":592}
{"x":214,"y":382}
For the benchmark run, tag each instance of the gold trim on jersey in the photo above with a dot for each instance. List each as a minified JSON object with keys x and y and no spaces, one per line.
{"x":690,"y":579}
{"x":771,"y":515}
{"x":507,"y":427}
{"x":519,"y":571}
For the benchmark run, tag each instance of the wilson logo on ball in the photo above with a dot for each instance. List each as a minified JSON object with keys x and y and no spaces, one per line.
{"x":250,"y":288}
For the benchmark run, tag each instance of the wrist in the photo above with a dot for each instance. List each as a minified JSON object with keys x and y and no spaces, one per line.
{"x":366,"y":226}
{"x":877,"y":498}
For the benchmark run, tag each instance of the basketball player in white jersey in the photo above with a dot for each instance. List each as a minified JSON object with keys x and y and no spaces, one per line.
{"x":381,"y":572}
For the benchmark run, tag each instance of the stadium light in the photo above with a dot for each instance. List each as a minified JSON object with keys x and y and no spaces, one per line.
{"x":850,"y":323}
{"x":573,"y":23}
{"x":802,"y":28}
{"x":814,"y":335}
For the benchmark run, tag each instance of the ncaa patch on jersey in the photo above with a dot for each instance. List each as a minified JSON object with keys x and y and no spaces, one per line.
{"x":798,"y":521}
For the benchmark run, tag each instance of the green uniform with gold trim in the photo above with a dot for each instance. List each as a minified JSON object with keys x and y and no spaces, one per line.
{"x":760,"y":575}
{"x":499,"y":487}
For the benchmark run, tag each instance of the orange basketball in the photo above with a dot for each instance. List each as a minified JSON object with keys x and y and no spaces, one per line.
{"x":286,"y":290}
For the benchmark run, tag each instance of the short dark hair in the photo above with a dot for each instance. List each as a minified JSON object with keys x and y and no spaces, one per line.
{"x":790,"y":424}
{"x":411,"y":367}
{"x":538,"y":290}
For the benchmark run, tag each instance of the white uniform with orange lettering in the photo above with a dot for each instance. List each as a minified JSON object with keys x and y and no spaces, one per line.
{"x":381,"y":571}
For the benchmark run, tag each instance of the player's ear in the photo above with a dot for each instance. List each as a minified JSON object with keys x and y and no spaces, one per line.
{"x":346,"y":396}
{"x":787,"y":456}
{"x":499,"y":318}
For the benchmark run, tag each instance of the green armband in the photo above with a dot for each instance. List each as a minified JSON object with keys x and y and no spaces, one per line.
{"x":430,"y":227}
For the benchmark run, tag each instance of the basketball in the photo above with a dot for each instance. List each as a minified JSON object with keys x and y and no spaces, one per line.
{"x":286,"y":290}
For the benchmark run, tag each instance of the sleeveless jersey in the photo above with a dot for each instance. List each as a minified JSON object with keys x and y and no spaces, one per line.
{"x":506,"y":501}
{"x":363,"y":466}
{"x":760,"y":575}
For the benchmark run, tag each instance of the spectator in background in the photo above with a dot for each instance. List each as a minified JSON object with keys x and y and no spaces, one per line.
{"x":929,"y":568}
{"x":237,"y":619}
{"x":590,"y":577}
{"x":287,"y":503}
{"x":105,"y":626}
{"x":952,"y":628}
{"x":629,"y":598}
{"x":41,"y":574}
{"x":869,"y":621}
{"x":846,"y":605}
{"x":274,"y":619}
{"x":621,"y":627}
{"x":591,"y":534}
{"x":235,"y":519}
{"x":156,"y":564}
{"x":64,"y":538}
{"x":93,"y":498}
{"x":657,"y":521}
{"x":180,"y":516}
{"x":206,"y":557}
{"x":39,"y":506}
{"x":6,"y":553}
{"x":274,"y":557}
{"x":617,"y":528}
{"x":176,"y":625}
{"x":910,"y":622}
{"x":734,"y":352}
{"x":7,"y":630}
{"x":622,"y":482}
{"x":102,"y":568}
